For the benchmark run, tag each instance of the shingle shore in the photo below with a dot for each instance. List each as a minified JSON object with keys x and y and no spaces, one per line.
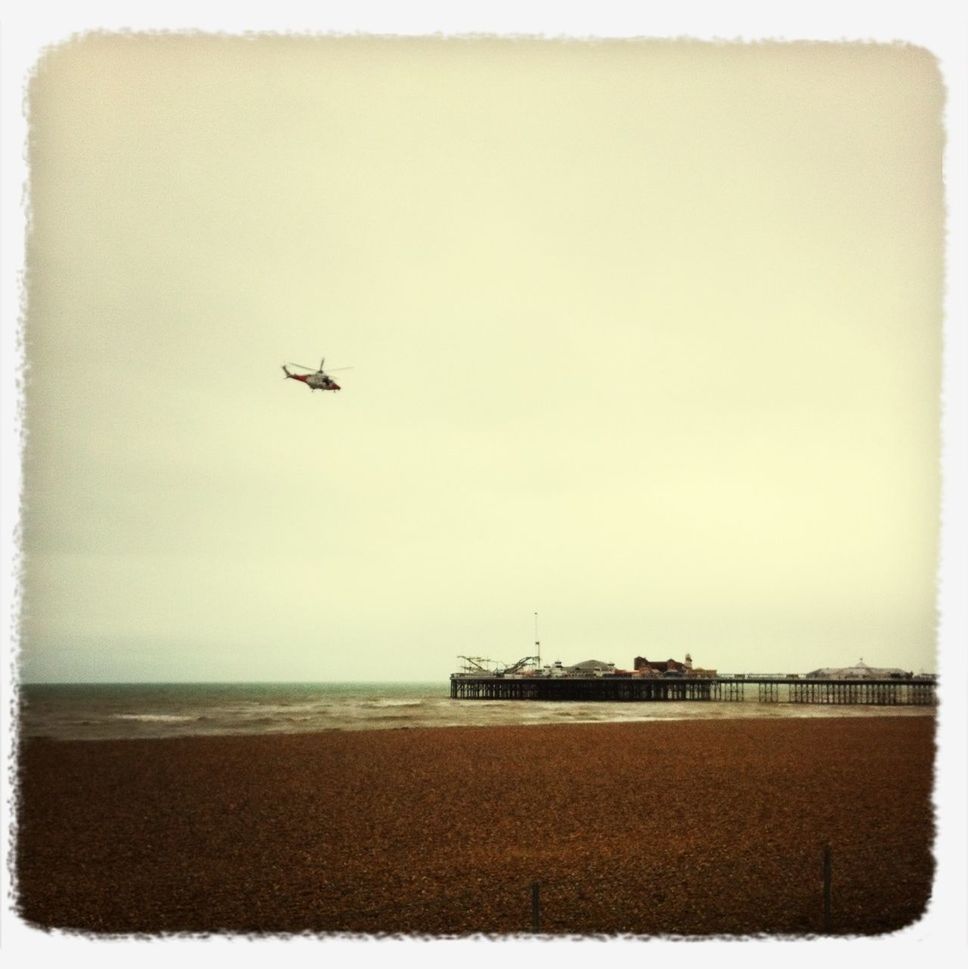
{"x":657,"y":828}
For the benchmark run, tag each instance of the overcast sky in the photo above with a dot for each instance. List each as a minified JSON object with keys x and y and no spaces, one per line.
{"x":646,"y":338}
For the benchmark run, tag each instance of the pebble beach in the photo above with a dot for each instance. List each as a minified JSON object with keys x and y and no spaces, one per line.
{"x":687,"y":828}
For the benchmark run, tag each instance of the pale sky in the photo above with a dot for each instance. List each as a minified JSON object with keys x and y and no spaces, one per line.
{"x":646,"y":338}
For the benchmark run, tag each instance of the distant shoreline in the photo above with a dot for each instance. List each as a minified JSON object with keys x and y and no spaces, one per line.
{"x":847,"y":712}
{"x":106,"y":711}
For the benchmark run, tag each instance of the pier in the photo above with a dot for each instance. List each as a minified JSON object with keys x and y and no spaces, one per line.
{"x":626,"y":688}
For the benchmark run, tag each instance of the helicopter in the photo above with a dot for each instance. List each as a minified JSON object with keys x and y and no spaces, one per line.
{"x":315,"y":379}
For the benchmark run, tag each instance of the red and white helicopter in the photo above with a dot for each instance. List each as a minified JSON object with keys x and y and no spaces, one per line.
{"x":315,"y":379}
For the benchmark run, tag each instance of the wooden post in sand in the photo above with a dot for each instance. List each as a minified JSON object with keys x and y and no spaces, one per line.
{"x":535,"y":907}
{"x":826,"y":888}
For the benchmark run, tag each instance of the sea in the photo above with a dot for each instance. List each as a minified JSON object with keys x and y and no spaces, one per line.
{"x":101,"y":711}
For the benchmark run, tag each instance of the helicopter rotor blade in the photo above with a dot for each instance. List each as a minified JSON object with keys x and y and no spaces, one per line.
{"x":303,"y":366}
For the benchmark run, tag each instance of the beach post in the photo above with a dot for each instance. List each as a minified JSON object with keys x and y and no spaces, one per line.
{"x":535,"y":907}
{"x":826,"y":888}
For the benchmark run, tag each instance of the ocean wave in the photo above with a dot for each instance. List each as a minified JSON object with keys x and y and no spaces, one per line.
{"x":156,"y":717}
{"x":97,"y":712}
{"x":381,"y":704}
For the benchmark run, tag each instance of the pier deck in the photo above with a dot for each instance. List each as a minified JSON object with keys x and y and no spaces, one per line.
{"x":900,"y":692}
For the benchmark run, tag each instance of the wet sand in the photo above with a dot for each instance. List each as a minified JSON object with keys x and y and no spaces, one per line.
{"x":662,"y":828}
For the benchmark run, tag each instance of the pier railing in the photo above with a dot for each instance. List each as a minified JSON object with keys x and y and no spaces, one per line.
{"x":769,"y":689}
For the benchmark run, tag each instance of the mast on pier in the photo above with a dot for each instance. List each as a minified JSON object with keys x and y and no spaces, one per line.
{"x":537,"y":642}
